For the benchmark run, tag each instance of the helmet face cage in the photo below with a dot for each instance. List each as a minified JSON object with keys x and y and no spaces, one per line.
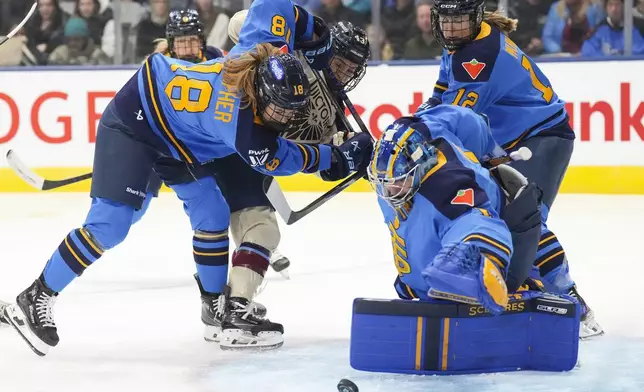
{"x":401,"y":158}
{"x":460,"y":20}
{"x":351,"y":51}
{"x":282,"y":90}
{"x":185,"y":23}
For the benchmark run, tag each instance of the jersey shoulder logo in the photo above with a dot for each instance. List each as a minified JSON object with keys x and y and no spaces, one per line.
{"x":473,"y":68}
{"x":464,"y":197}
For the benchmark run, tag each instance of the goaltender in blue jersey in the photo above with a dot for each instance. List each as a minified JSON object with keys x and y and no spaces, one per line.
{"x":443,"y":209}
{"x":464,"y":239}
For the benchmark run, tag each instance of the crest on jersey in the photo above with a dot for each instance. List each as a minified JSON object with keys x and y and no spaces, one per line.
{"x":464,"y":197}
{"x":473,"y":68}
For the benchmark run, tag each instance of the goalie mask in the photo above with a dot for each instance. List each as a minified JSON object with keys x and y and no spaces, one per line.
{"x":455,"y":23}
{"x":282,"y":90}
{"x":401,"y":159}
{"x":350,"y":54}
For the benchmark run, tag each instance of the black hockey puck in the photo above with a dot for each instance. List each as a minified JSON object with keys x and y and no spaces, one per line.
{"x":347,"y":386}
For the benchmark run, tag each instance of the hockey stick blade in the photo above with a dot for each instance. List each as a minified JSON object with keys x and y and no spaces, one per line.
{"x":17,"y":29}
{"x":279,"y":202}
{"x":36,"y":181}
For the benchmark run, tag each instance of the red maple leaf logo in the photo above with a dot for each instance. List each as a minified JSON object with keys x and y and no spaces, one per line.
{"x":473,"y":68}
{"x":464,"y":197}
{"x":283,"y":49}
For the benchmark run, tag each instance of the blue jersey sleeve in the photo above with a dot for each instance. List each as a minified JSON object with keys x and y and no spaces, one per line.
{"x":278,"y":22}
{"x":272,"y":155}
{"x":470,"y":213}
{"x":443,"y":77}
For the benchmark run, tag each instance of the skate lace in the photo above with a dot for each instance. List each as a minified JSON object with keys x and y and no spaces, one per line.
{"x":45,"y":309}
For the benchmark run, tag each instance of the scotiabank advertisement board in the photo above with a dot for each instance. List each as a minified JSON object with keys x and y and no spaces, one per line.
{"x":49,"y":117}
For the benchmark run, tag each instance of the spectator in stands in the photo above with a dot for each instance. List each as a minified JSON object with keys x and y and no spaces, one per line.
{"x":568,"y":24}
{"x":398,"y":21}
{"x":638,"y":16}
{"x":131,"y":14}
{"x":10,"y":10}
{"x":362,"y":7}
{"x":532,"y":15}
{"x":423,"y":45}
{"x":79,"y":48}
{"x":215,"y":23}
{"x":45,"y":28}
{"x":151,"y":27}
{"x":608,"y":38}
{"x":90,"y":10}
{"x":334,"y":11}
{"x":18,"y":51}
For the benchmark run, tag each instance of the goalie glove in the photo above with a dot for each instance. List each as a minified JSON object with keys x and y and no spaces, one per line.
{"x":460,"y":273}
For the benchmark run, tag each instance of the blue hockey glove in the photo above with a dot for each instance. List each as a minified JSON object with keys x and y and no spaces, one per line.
{"x":460,"y":273}
{"x":352,"y":155}
{"x":319,"y":51}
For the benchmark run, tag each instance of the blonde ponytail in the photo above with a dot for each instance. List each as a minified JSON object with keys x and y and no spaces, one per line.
{"x":501,"y":22}
{"x":240,"y":72}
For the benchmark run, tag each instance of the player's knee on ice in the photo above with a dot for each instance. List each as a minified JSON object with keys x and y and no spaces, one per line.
{"x":257,"y":225}
{"x":108,"y":222}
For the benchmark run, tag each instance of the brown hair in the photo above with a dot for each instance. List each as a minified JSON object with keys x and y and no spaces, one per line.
{"x":501,"y":22}
{"x":240,"y":72}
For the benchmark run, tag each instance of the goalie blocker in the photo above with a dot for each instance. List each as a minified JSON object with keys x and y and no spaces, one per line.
{"x":537,"y":331}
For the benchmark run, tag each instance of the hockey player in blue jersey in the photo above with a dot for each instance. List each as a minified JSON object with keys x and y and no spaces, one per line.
{"x":454,"y":229}
{"x":484,"y":70}
{"x":280,"y":22}
{"x":194,"y":113}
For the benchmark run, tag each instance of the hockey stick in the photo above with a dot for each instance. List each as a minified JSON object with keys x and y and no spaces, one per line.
{"x":14,"y":31}
{"x":36,"y":181}
{"x":274,"y":192}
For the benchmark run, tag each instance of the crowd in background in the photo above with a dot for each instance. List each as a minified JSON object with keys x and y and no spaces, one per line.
{"x":68,"y":32}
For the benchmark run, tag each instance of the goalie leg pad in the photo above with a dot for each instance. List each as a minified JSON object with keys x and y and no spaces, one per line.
{"x":537,"y":331}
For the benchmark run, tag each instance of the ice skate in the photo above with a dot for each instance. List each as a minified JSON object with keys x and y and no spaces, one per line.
{"x":280,"y":263}
{"x":243,"y":330}
{"x":32,"y":316}
{"x":212,"y":310}
{"x":589,"y":328}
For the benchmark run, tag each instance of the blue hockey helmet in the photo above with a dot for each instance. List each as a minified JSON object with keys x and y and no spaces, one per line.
{"x":402,"y":157}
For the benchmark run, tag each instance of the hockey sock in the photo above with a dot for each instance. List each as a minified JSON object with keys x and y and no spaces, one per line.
{"x":74,"y":254}
{"x":106,"y":226}
{"x":250,"y":262}
{"x":210,"y":250}
{"x":552,"y":263}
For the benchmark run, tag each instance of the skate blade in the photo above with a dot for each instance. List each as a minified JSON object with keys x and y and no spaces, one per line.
{"x":238,"y":340}
{"x":18,"y":321}
{"x":211,"y":333}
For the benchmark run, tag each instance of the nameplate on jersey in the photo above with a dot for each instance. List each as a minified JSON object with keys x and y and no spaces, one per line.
{"x":537,"y":331}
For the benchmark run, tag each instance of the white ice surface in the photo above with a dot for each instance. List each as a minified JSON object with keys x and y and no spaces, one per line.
{"x":131,"y":322}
